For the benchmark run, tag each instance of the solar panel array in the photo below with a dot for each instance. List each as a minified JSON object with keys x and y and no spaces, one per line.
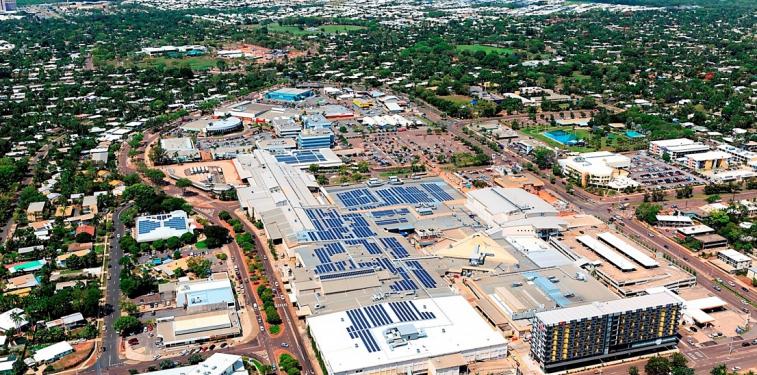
{"x":331,"y":225}
{"x":300,"y":157}
{"x":147,"y":225}
{"x":363,"y":319}
{"x":422,"y":274}
{"x":395,"y":247}
{"x":389,"y":213}
{"x":364,"y":198}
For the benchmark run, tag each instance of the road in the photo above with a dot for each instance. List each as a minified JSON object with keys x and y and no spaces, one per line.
{"x":210,"y":208}
{"x":112,"y":309}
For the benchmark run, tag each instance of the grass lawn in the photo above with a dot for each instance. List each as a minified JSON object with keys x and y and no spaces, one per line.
{"x":201,"y":245}
{"x":536,"y":132}
{"x":457,"y":99}
{"x":287,"y":29}
{"x":99,"y":249}
{"x":580,"y":77}
{"x":195,"y":63}
{"x":333,"y":29}
{"x":487,"y":49}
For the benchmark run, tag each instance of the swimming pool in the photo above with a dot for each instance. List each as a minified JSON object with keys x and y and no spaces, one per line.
{"x":561,"y":137}
{"x":634,"y":134}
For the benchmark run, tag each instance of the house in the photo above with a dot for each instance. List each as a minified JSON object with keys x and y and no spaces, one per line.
{"x":60,"y":260}
{"x":88,"y":229}
{"x":53,"y":352}
{"x":13,"y":318}
{"x":68,"y":321}
{"x":35,"y":211}
{"x":20,"y":282}
{"x":89,"y":205}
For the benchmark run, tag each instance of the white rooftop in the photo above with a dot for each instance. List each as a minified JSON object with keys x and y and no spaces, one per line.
{"x":7,"y":322}
{"x":216,"y":364}
{"x":710,"y":155}
{"x":49,"y":353}
{"x":735,"y":255}
{"x":598,"y":309}
{"x":455,"y":328}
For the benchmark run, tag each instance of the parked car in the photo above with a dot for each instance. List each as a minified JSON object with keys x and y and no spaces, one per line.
{"x":284,"y":345}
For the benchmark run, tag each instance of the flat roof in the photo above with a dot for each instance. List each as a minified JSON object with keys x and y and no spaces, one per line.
{"x":605,"y":252}
{"x":672,"y":142}
{"x":628,"y":249}
{"x":599,"y":309}
{"x":735,"y":255}
{"x":710,"y":155}
{"x":675,"y":218}
{"x":499,"y":200}
{"x":695,"y":229}
{"x":355,"y":339}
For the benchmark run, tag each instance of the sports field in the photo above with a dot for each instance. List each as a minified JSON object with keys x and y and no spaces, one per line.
{"x":487,"y":49}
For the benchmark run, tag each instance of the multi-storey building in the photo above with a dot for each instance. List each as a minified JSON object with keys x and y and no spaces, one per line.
{"x":602,"y":331}
{"x":676,"y":148}
{"x":315,"y":138}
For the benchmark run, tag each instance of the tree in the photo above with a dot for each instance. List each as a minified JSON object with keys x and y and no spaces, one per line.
{"x":633,"y":370}
{"x":216,"y":236}
{"x":543,"y":157}
{"x":666,"y":157}
{"x":195,"y":359}
{"x":166,"y":364}
{"x":678,"y":360}
{"x":224,"y":215}
{"x":127,"y":325}
{"x":719,"y":370}
{"x":657,"y":366}
{"x":199,"y":266}
{"x":183,"y":183}
{"x":713,"y":198}
{"x":647,"y":212}
{"x":157,"y":153}
{"x":155,"y":175}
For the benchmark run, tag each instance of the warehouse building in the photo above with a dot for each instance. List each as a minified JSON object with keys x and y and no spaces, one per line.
{"x":439,"y":335}
{"x":604,"y":331}
{"x":497,"y":205}
{"x":289,"y":95}
{"x":248,"y":111}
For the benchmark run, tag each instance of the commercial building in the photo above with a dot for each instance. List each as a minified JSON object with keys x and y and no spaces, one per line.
{"x":337,"y":112}
{"x":603,"y":331}
{"x":289,"y":94}
{"x":601,"y":168}
{"x":248,"y":111}
{"x":213,"y":292}
{"x":708,"y":161}
{"x":216,"y":364}
{"x":439,"y":335}
{"x":674,"y":221}
{"x":628,"y":270}
{"x":676,"y":148}
{"x":735,"y":259}
{"x":739,"y":155}
{"x":496,"y":206}
{"x":223,"y":126}
{"x":276,"y":145}
{"x":315,"y":138}
{"x":197,"y":328}
{"x":162,"y":226}
{"x":7,"y":5}
{"x":286,"y":128}
{"x":180,"y":149}
{"x":315,"y":121}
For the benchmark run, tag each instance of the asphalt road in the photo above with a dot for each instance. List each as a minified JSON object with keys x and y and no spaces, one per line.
{"x":111,"y":339}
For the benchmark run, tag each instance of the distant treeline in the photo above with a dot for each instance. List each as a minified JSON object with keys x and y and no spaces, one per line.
{"x":672,"y":3}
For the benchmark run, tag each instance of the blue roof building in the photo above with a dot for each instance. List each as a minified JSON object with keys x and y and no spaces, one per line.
{"x":315,"y":138}
{"x":205,"y":292}
{"x":316,"y":121}
{"x":289,"y":94}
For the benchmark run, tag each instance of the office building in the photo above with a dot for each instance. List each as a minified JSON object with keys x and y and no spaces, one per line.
{"x":316,"y":120}
{"x":286,"y":127}
{"x":739,"y":155}
{"x":708,"y":161}
{"x":601,"y":168}
{"x":604,"y":331}
{"x":676,"y":148}
{"x":213,"y":292}
{"x":7,"y":6}
{"x":315,"y":138}
{"x":735,"y":259}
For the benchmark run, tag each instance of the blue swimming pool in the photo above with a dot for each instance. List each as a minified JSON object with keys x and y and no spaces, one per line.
{"x":562,"y":137}
{"x":634,"y":134}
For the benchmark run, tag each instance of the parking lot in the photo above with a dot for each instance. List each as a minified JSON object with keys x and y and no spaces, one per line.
{"x":655,"y":173}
